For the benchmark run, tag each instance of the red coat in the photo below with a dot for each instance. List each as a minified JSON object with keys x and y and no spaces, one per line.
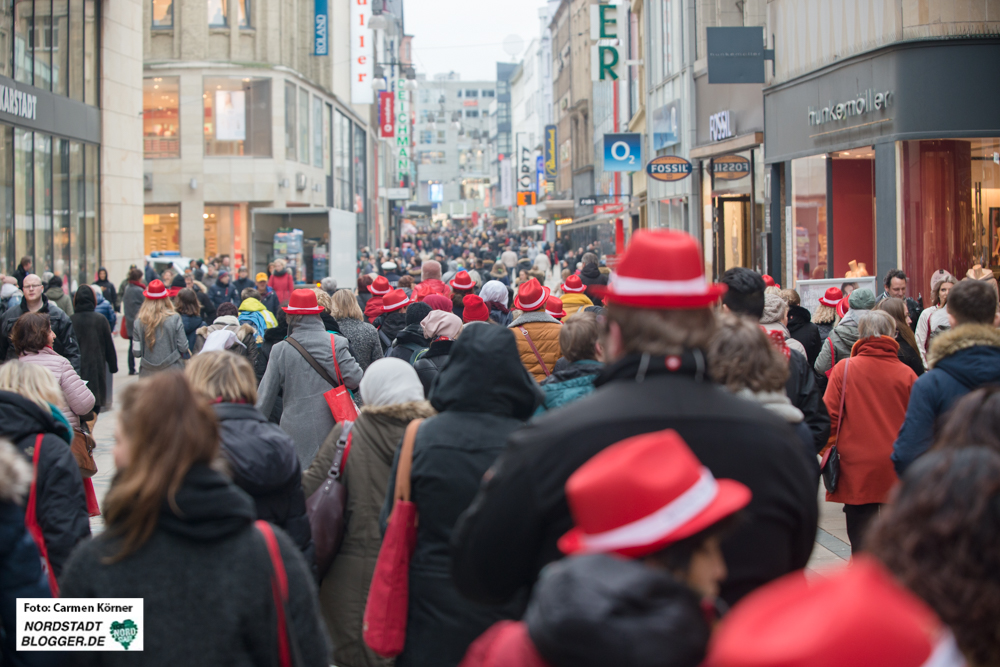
{"x":282,"y":286}
{"x":505,"y":644}
{"x":878,"y":391}
{"x":433,"y":286}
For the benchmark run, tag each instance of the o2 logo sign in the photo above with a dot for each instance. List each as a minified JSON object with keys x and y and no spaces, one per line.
{"x":623,"y":152}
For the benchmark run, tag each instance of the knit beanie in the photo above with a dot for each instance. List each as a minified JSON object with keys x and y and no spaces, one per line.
{"x":438,"y":302}
{"x":416,"y":312}
{"x":474,"y":310}
{"x":861,"y":299}
{"x":941,"y":276}
{"x":774,"y":309}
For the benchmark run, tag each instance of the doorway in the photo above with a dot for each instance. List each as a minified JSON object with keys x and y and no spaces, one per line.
{"x":732,"y":234}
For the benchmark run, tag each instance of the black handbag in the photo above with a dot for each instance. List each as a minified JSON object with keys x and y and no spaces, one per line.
{"x":830,"y":465}
{"x":326,"y":507}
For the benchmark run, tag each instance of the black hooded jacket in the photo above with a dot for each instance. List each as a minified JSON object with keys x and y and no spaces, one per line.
{"x":107,"y":288}
{"x":262,"y":462}
{"x":482,"y":395}
{"x":599,"y":610}
{"x":802,"y":329}
{"x":61,"y":507}
{"x":65,"y":344}
{"x":389,"y":325}
{"x":591,"y":275}
{"x":205,"y":576}
{"x":408,"y":342}
{"x":429,"y":364}
{"x":97,"y":348}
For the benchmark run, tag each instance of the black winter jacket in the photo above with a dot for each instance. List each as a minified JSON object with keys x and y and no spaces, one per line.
{"x":389,"y":325}
{"x":262,"y":461}
{"x":429,"y":364}
{"x":219,"y":294}
{"x":97,"y":347}
{"x":65,"y":344}
{"x":599,"y":610}
{"x":61,"y":507}
{"x":408,"y":342}
{"x":590,"y":275}
{"x":483,"y":395}
{"x":510,"y":531}
{"x":205,"y":576}
{"x":804,"y":393}
{"x":801,"y":328}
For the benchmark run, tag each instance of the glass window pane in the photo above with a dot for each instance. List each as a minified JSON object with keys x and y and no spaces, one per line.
{"x":290,"y":117}
{"x":237,"y":116}
{"x":43,"y":203}
{"x":161,"y":117}
{"x":809,"y":216}
{"x":317,"y":130}
{"x":60,"y":209}
{"x":161,"y":225}
{"x":23,"y":55}
{"x":24,"y":194}
{"x":304,"y":126}
{"x":6,"y":32}
{"x":163,"y":13}
{"x":217,"y":14}
{"x":76,"y":207}
{"x":92,"y":218}
{"x":8,"y":260}
{"x":327,"y":157}
{"x":244,"y":9}
{"x":342,"y":162}
{"x":90,"y":54}
{"x":361,"y":183}
{"x":41,"y":45}
{"x":76,"y":50}
{"x":60,"y":47}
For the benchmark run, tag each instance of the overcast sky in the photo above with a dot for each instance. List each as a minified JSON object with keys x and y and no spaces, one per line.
{"x":468,"y":36}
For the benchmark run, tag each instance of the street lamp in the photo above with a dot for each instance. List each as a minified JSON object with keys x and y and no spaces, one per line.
{"x":378,"y":22}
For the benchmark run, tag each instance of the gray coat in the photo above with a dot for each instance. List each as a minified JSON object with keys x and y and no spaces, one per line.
{"x":305,"y":415}
{"x":843,"y":337}
{"x":132,"y":299}
{"x":169,"y":351}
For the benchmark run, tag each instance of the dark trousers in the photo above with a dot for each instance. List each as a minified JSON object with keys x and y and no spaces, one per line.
{"x":858,"y":518}
{"x":131,"y":361}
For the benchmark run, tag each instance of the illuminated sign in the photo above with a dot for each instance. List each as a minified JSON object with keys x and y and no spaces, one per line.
{"x":668,"y":168}
{"x":730,"y":167}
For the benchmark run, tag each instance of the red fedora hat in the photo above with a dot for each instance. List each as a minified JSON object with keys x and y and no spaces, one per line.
{"x":531,"y":295}
{"x":554,"y":307}
{"x":380,"y":287}
{"x":644,"y":493}
{"x":843,"y":306}
{"x":832,"y":297}
{"x":462,"y":281}
{"x":156,"y":290}
{"x":573,"y":284}
{"x":788,"y":623}
{"x":394,"y":300}
{"x":661,"y":269}
{"x":303,"y":302}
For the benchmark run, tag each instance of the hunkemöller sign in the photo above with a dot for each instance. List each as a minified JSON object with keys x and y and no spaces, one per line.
{"x":867,"y":101}
{"x":18,"y":103}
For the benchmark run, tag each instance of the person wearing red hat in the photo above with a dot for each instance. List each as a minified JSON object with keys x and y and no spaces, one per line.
{"x":393,"y":317}
{"x":659,"y":320}
{"x":573,"y":295}
{"x":825,"y":317}
{"x":474,"y":309}
{"x":536,"y":332}
{"x":856,"y":617}
{"x":769,"y":281}
{"x":158,"y":338}
{"x":438,"y":302}
{"x":554,"y":308}
{"x":290,"y":373}
{"x":462,"y":284}
{"x":378,"y":290}
{"x":645,"y":562}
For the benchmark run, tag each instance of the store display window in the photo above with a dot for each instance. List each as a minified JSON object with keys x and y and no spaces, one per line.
{"x":237,"y":117}
{"x":161,"y":117}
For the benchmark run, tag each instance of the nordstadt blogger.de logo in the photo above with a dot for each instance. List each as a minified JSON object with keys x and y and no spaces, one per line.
{"x":80,"y":624}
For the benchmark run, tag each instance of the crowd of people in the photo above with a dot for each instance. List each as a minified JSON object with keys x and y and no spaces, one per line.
{"x":622,"y":469}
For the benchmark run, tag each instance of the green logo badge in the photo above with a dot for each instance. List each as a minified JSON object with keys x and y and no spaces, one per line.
{"x":124,"y":633}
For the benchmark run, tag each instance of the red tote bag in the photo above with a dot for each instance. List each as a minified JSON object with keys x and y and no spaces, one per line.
{"x":389,"y":596}
{"x":31,"y":521}
{"x":339,"y":398}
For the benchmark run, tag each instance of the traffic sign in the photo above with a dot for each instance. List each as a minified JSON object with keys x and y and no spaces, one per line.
{"x":623,"y":152}
{"x":527,"y":198}
{"x":668,"y":168}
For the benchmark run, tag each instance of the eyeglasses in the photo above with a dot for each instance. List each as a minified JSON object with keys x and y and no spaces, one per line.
{"x":38,"y":286}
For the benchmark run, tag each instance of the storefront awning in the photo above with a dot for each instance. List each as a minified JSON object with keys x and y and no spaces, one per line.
{"x":734,"y":145}
{"x":553,"y":205}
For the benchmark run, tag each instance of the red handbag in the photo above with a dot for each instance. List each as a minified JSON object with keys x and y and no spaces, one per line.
{"x":31,"y":522}
{"x":389,"y":596}
{"x":287,"y":648}
{"x":339,"y":398}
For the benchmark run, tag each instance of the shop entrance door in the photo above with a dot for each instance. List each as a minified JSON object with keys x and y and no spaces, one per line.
{"x":732,"y":234}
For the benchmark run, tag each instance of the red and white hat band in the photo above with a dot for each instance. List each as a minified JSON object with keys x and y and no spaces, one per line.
{"x":628,"y":286}
{"x":829,"y":304}
{"x":157,"y":295}
{"x":660,"y":523}
{"x":395,"y":306}
{"x":534,"y":304}
{"x":458,"y":285}
{"x":581,"y":288}
{"x":311,"y":310}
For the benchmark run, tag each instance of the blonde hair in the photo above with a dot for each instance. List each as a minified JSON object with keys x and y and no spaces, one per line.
{"x":345,"y":305}
{"x":33,"y":382}
{"x":152,"y":314}
{"x":323,"y":299}
{"x":280,"y":264}
{"x":790,"y":296}
{"x":824,"y":315}
{"x":223,"y":375}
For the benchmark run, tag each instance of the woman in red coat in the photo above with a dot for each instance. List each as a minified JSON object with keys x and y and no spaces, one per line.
{"x":281,"y":281}
{"x":874,"y":407}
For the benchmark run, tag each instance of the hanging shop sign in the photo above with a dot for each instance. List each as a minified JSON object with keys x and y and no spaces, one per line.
{"x":730,"y":167}
{"x":720,"y":126}
{"x":868,"y":101}
{"x":526,"y":199}
{"x":362,"y":60}
{"x":613,"y":209}
{"x":668,"y":168}
{"x":321,"y":29}
{"x":525,"y":164}
{"x":402,"y":129}
{"x":550,"y":152}
{"x":622,"y":152}
{"x":607,"y":57}
{"x":539,"y":174}
{"x":387,"y":114}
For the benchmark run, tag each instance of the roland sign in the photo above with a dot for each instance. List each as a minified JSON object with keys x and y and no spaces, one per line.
{"x":868,"y":101}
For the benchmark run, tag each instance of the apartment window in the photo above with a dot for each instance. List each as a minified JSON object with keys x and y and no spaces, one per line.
{"x":471,"y":113}
{"x":163,"y":14}
{"x":291,"y":114}
{"x":217,"y":15}
{"x":161,"y":117}
{"x":237,"y":117}
{"x":317,"y":131}
{"x":431,"y":157}
{"x":243,"y":6}
{"x":489,"y":93}
{"x":442,"y":137}
{"x":426,"y":137}
{"x":459,"y":93}
{"x":472,"y":93}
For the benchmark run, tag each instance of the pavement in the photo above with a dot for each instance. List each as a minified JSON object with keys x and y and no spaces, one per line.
{"x":831,"y":551}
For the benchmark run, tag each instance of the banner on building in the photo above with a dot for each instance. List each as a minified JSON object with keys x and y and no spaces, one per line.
{"x":549,"y":155}
{"x":321,"y":29}
{"x":362,"y":65}
{"x":539,"y":175}
{"x":525,"y":159}
{"x":230,"y":115}
{"x":506,"y":183}
{"x":387,"y":114}
{"x":623,"y":152}
{"x":402,"y":129}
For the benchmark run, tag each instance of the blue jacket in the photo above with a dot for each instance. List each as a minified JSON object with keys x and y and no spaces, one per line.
{"x":105,"y":308}
{"x":568,"y":383}
{"x":219,"y":293}
{"x":961,"y":360}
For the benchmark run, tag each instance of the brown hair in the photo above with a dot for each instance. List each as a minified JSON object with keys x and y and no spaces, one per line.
{"x":405,"y":281}
{"x":790,"y":296}
{"x":187,"y":302}
{"x":135,"y":275}
{"x":31,"y":333}
{"x":170,"y":429}
{"x":578,"y":336}
{"x":224,"y":376}
{"x":896,"y":308}
{"x":249,"y":293}
{"x":345,"y":305}
{"x":972,"y":302}
{"x":661,"y":332}
{"x":740,"y":356}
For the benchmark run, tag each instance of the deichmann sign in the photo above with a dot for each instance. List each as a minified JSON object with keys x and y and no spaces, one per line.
{"x":730,"y":167}
{"x":402,"y":129}
{"x":362,"y":65}
{"x":668,"y":168}
{"x":17,"y":103}
{"x":321,"y":26}
{"x":867,"y":102}
{"x":606,"y":61}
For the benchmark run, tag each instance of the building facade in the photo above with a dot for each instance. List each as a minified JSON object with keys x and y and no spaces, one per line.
{"x":69,"y":136}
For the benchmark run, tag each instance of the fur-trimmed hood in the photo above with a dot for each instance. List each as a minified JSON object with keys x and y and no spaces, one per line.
{"x":15,"y":474}
{"x":960,"y":338}
{"x":405,"y":412}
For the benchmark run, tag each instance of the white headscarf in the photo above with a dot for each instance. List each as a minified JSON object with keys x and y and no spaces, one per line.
{"x":495,"y":291}
{"x":390,"y":381}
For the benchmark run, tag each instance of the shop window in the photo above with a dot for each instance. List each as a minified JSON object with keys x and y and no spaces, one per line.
{"x":342,"y":163}
{"x":226,"y":232}
{"x":291,"y":115}
{"x":40,"y":43}
{"x":91,"y":52}
{"x":23,"y":56}
{"x":809,"y":217}
{"x":77,"y":206}
{"x":6,"y":34}
{"x":92,"y":230}
{"x":61,"y":52}
{"x":852,"y":202}
{"x":60,"y":207}
{"x":7,"y":258}
{"x":218,"y":15}
{"x":163,"y":14}
{"x":161,"y":117}
{"x":361,"y":181}
{"x":317,"y":131}
{"x":24,"y":194}
{"x":43,"y":203}
{"x":237,"y":117}
{"x":161,"y":228}
{"x":76,"y":50}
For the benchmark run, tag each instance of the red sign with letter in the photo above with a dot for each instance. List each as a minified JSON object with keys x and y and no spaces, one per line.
{"x":387,"y":114}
